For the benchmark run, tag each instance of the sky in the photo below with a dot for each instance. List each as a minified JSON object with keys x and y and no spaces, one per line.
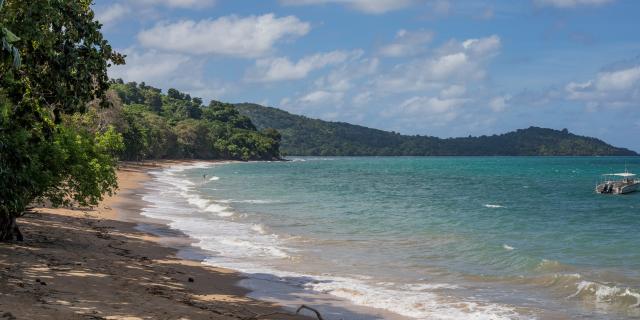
{"x":445,"y":68}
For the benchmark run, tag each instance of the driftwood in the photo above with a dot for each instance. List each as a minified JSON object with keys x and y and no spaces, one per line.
{"x":318,"y":315}
{"x":312,"y":309}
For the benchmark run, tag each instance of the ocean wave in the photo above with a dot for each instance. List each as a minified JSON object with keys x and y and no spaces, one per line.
{"x":214,"y":178}
{"x":607,"y":293}
{"x":429,"y":286}
{"x":418,"y":301}
{"x":311,"y":159}
{"x":493,"y":206}
{"x":547,"y":265}
{"x":247,"y":201}
{"x":168,"y":190}
{"x":248,"y":247}
{"x":258,"y":228}
{"x":574,"y":286}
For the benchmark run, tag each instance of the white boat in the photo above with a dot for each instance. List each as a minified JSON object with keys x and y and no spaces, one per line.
{"x":618,"y":183}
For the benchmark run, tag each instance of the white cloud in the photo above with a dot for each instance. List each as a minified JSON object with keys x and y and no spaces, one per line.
{"x":111,"y":14}
{"x":454,"y":91}
{"x":422,"y":105}
{"x":499,"y":103}
{"x":610,"y":88}
{"x":421,"y":110}
{"x":179,"y":3}
{"x":344,"y":76}
{"x":251,"y":36}
{"x":366,"y":6}
{"x":446,"y":66}
{"x":454,"y":63}
{"x":118,"y":10}
{"x":618,"y":80}
{"x":570,"y":3}
{"x":483,"y":46}
{"x":278,"y":69}
{"x":169,"y":70}
{"x":321,"y":97}
{"x":362,"y":98}
{"x":149,"y":65}
{"x":436,"y":110}
{"x":407,"y":43}
{"x":328,"y":93}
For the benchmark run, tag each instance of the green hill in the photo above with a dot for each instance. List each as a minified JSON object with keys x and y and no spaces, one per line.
{"x":305,"y":136}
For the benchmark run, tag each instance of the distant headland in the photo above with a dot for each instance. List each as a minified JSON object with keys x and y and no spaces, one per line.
{"x":312,"y":137}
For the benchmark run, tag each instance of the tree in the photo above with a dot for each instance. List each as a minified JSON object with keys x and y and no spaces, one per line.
{"x":153,"y":99}
{"x":174,"y":94}
{"x":192,"y":138}
{"x":7,"y":39}
{"x":226,"y":112}
{"x":64,"y":61}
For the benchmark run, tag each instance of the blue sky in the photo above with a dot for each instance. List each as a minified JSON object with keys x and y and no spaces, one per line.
{"x":431,"y":67}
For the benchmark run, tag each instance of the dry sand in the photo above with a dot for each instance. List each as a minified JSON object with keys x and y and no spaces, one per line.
{"x":94,"y":264}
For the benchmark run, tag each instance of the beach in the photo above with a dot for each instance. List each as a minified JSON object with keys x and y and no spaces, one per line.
{"x":240,"y":240}
{"x":95,"y":263}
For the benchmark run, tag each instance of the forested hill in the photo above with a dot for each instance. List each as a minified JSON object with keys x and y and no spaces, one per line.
{"x":305,"y":136}
{"x":175,"y":125}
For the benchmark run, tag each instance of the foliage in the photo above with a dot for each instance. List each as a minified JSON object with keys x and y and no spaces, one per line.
{"x":7,"y":39}
{"x":176,"y":126}
{"x":304,"y":136}
{"x":44,"y":152}
{"x":64,"y":56}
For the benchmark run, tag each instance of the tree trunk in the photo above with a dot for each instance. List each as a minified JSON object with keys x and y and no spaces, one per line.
{"x":9,"y":230}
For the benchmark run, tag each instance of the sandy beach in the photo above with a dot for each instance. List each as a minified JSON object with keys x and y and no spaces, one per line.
{"x":93,"y":263}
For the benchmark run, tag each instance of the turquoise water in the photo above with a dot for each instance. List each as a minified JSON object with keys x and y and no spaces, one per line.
{"x":427,"y":238}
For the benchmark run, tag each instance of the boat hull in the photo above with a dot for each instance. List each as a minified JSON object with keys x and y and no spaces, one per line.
{"x":629,"y":188}
{"x":617,"y":188}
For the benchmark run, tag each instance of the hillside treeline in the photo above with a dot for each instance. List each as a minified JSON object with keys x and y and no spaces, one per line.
{"x":177,"y":126}
{"x":313,"y":137}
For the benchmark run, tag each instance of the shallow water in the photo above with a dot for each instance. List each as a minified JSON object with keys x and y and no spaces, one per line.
{"x":422,"y":237}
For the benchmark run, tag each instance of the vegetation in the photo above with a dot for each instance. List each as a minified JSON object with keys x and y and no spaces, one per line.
{"x":304,"y":136}
{"x":64,"y":124}
{"x":53,"y":62}
{"x":176,"y":126}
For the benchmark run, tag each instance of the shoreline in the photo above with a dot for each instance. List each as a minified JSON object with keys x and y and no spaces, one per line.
{"x":284,"y":288}
{"x":101,"y":263}
{"x":268,"y":287}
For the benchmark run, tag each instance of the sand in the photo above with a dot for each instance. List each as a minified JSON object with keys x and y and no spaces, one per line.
{"x":92,"y":263}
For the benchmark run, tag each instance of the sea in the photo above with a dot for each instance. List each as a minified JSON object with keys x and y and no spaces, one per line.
{"x":415,"y":237}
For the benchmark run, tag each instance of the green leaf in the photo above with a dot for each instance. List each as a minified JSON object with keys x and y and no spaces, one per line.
{"x":9,"y":36}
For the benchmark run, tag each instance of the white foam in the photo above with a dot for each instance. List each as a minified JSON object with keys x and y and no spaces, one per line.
{"x":249,"y":247}
{"x":258,"y":228}
{"x":493,"y":206}
{"x":429,"y":286}
{"x":221,"y":211}
{"x":173,"y":197}
{"x":214,"y":178}
{"x":418,"y":304}
{"x":605,"y":293}
{"x":507,"y":247}
{"x":247,"y":201}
